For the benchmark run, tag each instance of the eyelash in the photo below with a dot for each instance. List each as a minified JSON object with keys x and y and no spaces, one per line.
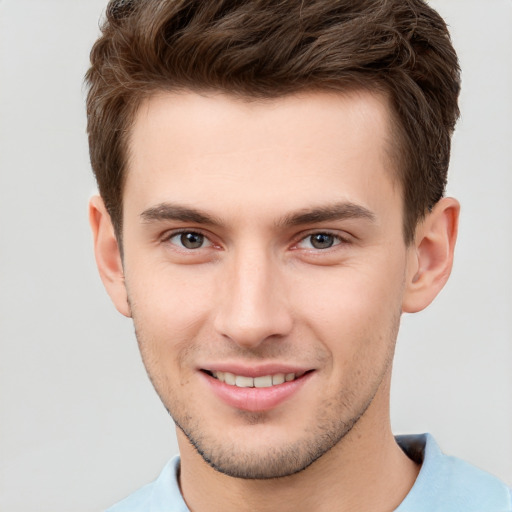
{"x":338,"y":239}
{"x":181,"y":232}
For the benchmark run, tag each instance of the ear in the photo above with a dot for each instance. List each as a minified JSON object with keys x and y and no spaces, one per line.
{"x":431,"y":256}
{"x":108,"y":255}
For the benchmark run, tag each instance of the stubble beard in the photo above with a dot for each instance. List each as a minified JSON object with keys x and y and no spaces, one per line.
{"x":275,"y":461}
{"x":268,"y":462}
{"x":272,"y":462}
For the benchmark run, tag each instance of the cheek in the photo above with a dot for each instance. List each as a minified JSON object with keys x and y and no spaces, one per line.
{"x":353,"y":308}
{"x":169,"y":307}
{"x":176,"y":292}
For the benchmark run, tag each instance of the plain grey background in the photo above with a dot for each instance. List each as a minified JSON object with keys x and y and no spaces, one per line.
{"x":80,"y":425}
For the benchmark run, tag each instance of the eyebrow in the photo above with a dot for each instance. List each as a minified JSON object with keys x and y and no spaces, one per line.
{"x":337,"y":211}
{"x":170,"y":211}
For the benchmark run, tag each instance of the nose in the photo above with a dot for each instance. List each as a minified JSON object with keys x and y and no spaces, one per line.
{"x":252,"y":306}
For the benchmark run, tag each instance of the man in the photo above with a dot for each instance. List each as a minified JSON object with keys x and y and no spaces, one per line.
{"x":271,"y":180}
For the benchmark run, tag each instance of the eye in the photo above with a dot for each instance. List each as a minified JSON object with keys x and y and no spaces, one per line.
{"x":319,"y":241}
{"x":190,"y":240}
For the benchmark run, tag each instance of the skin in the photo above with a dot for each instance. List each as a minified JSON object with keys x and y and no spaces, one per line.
{"x":257,"y":289}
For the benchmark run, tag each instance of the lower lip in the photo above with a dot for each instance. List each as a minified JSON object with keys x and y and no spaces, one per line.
{"x":255,"y":399}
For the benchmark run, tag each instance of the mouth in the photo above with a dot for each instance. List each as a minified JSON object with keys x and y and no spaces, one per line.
{"x":264,"y":381}
{"x":264,"y":390}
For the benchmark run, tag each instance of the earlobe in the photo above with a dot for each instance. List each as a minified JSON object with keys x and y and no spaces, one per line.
{"x":431,"y":257}
{"x":108,"y":255}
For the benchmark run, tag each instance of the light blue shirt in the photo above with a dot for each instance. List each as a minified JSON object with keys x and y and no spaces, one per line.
{"x":444,"y":484}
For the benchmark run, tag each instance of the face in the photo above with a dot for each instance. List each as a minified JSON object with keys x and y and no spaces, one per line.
{"x":264,"y":265}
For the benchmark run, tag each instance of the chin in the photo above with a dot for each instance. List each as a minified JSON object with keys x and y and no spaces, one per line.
{"x":261,"y":460}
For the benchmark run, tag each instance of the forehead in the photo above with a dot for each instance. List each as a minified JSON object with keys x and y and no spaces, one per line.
{"x":287,"y":151}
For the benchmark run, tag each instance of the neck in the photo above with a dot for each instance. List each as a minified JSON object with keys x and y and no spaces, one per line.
{"x":365,"y":471}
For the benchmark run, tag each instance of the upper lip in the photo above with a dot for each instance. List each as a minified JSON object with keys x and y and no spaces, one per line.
{"x":259,"y":370}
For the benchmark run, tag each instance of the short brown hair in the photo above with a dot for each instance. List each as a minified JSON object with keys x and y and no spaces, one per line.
{"x":271,"y":48}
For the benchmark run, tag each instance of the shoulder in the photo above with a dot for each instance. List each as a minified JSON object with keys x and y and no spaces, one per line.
{"x":157,"y":496}
{"x":449,"y":484}
{"x":137,"y":501}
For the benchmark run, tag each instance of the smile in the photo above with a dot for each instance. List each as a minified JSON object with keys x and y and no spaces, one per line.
{"x":262,"y":391}
{"x":265,"y":381}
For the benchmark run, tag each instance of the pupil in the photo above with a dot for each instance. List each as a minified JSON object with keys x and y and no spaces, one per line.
{"x":322,"y":241}
{"x":192,"y":240}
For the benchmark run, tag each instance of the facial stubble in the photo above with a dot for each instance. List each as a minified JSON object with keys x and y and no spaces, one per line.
{"x":272,"y":461}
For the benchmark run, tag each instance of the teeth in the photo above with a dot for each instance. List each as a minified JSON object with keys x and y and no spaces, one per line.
{"x":244,"y":382}
{"x":265,"y":381}
{"x":229,"y":378}
{"x":279,"y":378}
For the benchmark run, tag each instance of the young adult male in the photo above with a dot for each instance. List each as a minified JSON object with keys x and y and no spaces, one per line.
{"x":271,"y":180}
